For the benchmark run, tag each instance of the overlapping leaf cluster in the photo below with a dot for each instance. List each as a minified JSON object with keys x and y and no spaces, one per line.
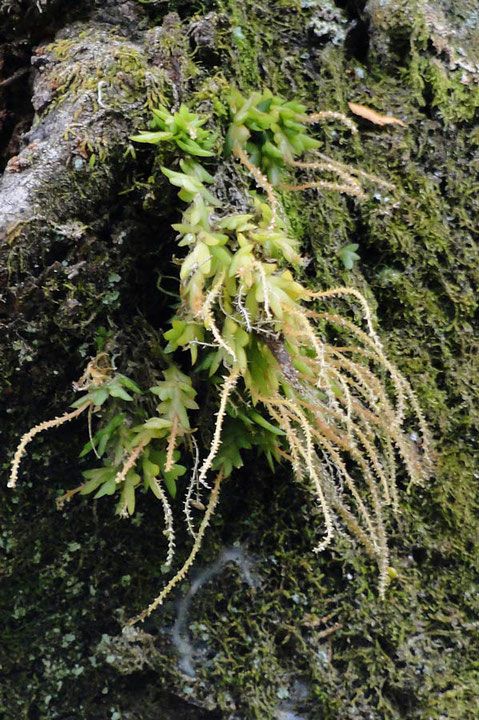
{"x":243,"y":312}
{"x":259,"y":355}
{"x":270,"y":129}
{"x":117,"y":440}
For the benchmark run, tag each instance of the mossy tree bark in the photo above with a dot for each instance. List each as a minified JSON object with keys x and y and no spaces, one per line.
{"x":84,"y":239}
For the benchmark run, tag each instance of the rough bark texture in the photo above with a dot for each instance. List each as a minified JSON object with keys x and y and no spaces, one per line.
{"x":84,"y":235}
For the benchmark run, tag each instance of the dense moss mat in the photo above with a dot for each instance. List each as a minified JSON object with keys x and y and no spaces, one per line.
{"x":312,"y":637}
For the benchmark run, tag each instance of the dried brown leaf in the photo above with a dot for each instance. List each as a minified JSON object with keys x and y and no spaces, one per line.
{"x":373,"y":116}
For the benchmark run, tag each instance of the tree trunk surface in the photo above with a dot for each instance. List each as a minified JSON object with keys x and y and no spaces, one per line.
{"x":268,"y":629}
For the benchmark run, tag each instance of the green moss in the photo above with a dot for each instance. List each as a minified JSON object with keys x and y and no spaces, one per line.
{"x":125,"y":77}
{"x":241,"y":40}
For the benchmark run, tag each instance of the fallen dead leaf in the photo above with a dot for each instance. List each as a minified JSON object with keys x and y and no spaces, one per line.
{"x":373,"y":116}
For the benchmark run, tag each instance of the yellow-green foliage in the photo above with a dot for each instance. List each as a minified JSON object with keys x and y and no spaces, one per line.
{"x":297,"y":381}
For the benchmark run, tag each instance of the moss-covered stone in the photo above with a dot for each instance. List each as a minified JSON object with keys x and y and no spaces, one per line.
{"x":312,"y":638}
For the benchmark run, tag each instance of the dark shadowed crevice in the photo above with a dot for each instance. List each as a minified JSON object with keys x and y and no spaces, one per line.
{"x":356,"y":43}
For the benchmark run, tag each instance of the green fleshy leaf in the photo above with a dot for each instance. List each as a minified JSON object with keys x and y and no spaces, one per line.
{"x":130,"y":384}
{"x":152,"y":137}
{"x":117,"y":391}
{"x":348,"y":255}
{"x":98,"y":397}
{"x":108,"y":488}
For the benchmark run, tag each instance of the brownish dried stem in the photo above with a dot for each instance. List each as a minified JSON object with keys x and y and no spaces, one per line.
{"x":47,"y":425}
